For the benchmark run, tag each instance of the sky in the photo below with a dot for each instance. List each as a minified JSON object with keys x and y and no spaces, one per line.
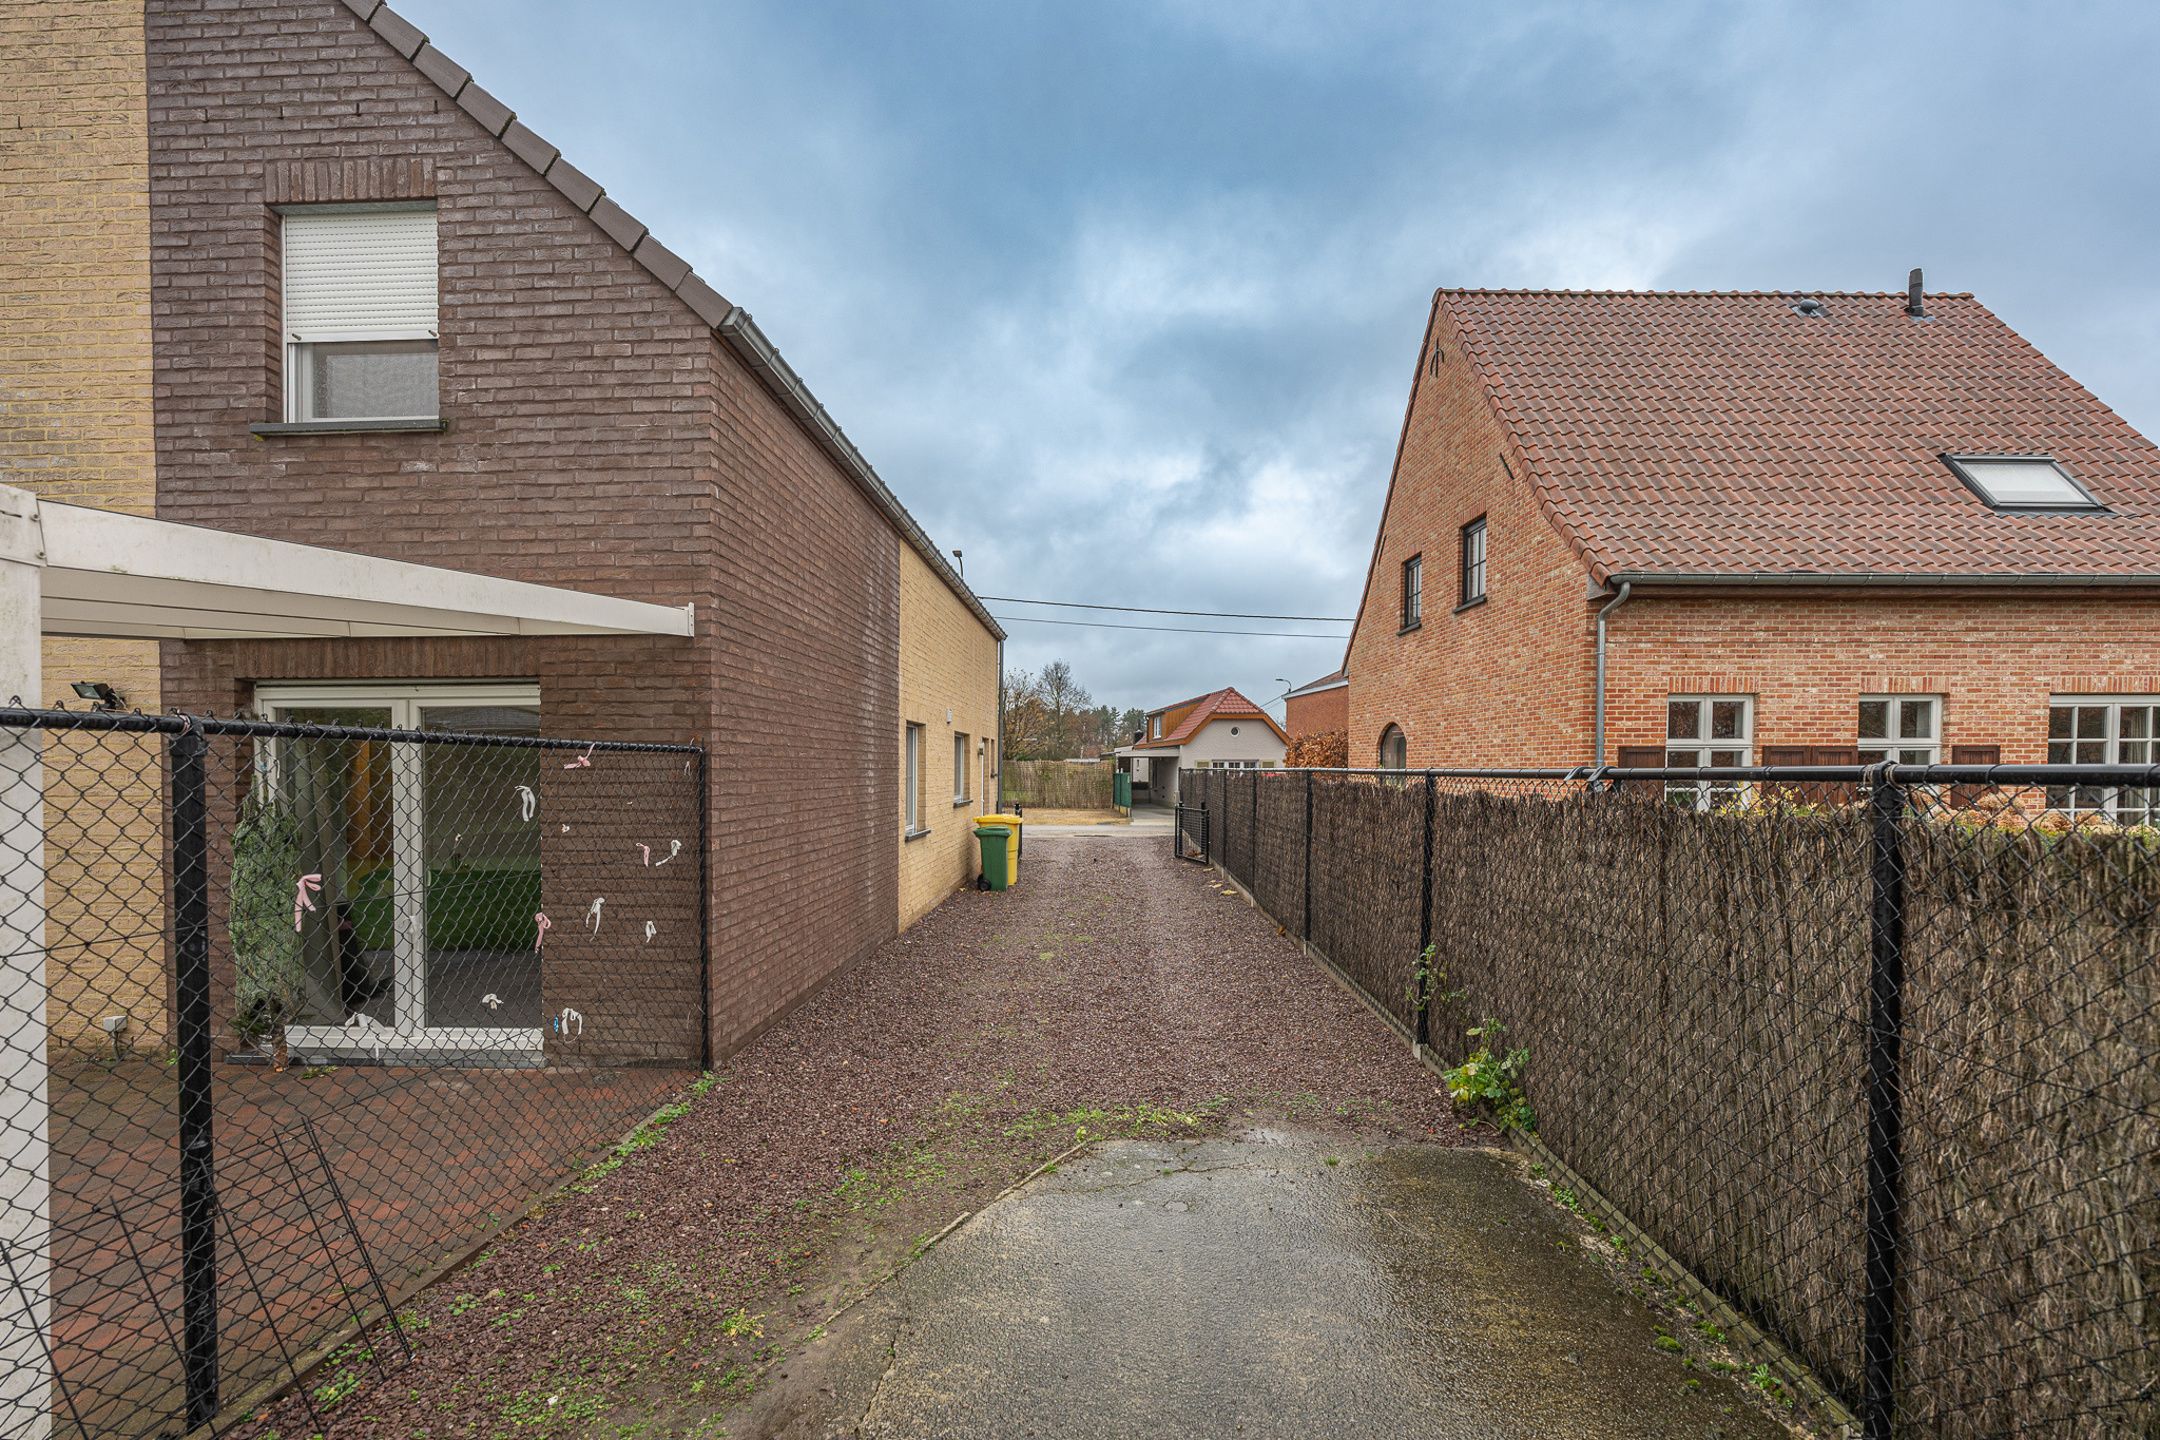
{"x":1124,"y":300}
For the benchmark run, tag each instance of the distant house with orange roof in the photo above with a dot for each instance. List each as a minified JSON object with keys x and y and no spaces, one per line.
{"x":1219,"y":730}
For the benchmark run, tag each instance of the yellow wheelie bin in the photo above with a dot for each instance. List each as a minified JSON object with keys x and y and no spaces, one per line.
{"x":1012,"y":843}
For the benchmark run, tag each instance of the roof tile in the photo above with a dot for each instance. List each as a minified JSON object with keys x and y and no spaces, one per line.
{"x":402,"y":35}
{"x":441,"y":69}
{"x":533,"y":150}
{"x":577,"y":187}
{"x":1725,"y":434}
{"x":621,"y":226}
{"x":668,"y":267}
{"x":711,"y":306}
{"x":493,"y":115}
{"x":1224,"y":704}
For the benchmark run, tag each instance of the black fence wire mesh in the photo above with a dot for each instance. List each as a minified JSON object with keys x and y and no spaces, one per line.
{"x":293,"y":1014}
{"x":1874,"y":1053}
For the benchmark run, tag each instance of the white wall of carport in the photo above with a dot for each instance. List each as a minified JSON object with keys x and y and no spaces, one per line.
{"x":1245,"y":738}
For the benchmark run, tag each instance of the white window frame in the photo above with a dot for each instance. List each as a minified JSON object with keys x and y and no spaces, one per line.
{"x":410,"y":1031}
{"x":298,"y":378}
{"x":1703,"y":752}
{"x":960,"y":767}
{"x":2122,"y":804}
{"x":1925,"y":750}
{"x":914,"y":780}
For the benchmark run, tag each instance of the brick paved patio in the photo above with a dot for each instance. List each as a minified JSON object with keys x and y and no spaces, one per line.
{"x":427,"y":1159}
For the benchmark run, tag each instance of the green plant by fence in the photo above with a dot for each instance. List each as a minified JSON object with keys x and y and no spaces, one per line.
{"x":1876,"y":1056}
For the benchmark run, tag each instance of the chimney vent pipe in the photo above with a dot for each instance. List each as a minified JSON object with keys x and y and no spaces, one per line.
{"x":1913,"y":305}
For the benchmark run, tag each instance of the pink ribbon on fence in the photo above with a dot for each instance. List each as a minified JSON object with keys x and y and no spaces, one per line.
{"x":306,"y":885}
{"x":545,"y":924}
{"x":583,"y":762}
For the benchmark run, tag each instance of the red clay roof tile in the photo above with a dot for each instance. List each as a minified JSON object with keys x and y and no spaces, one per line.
{"x":1224,"y":704}
{"x":1681,"y":433}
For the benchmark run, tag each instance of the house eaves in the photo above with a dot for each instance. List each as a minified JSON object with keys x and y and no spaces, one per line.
{"x":728,"y":321}
{"x":1876,"y":579}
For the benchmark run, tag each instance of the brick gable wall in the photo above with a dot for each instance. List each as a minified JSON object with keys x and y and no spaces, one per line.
{"x":1507,"y":682}
{"x":599,"y":438}
{"x":1317,"y":714}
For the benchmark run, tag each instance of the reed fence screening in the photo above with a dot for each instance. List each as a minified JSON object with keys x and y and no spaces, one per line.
{"x":1875,"y":1054}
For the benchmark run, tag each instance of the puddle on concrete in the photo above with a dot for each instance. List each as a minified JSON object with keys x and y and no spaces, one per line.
{"x":1251,"y":1288}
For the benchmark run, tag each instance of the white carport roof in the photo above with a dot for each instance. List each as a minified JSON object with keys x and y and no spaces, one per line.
{"x":128,"y":576}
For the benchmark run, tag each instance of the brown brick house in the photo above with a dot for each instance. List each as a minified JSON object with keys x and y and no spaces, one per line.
{"x":385,"y":316}
{"x":1816,"y":527}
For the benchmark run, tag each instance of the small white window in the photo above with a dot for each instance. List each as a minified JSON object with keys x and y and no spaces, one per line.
{"x":2021,"y":482}
{"x":360,"y":314}
{"x":1156,"y":721}
{"x":1707,"y":732}
{"x":959,"y":768}
{"x":2105,"y":730}
{"x":914,"y":782}
{"x":1904,"y":728}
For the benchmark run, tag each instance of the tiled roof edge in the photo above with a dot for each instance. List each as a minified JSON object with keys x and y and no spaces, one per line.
{"x":1572,"y":534}
{"x":725,"y":318}
{"x":748,"y":342}
{"x":1534,"y":290}
{"x":1930,"y":578}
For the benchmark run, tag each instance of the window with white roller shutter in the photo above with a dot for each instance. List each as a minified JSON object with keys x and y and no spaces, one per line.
{"x":359,"y":314}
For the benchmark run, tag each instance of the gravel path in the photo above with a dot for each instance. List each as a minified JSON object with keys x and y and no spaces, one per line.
{"x":1115,"y":991}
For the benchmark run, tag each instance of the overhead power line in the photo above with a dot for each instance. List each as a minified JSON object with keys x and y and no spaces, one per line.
{"x":1170,"y":629}
{"x":1157,"y":610}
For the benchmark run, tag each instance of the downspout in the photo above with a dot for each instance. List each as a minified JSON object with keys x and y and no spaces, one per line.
{"x":1599,"y":724}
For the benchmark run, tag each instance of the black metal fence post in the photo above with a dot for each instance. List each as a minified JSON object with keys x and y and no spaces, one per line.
{"x":704,"y":908}
{"x":1305,"y":910}
{"x":188,"y":753}
{"x":1886,"y":1121}
{"x":1252,"y":835}
{"x":1423,"y":972}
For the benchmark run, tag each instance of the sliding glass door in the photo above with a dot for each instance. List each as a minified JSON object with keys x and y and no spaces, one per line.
{"x":429,"y":858}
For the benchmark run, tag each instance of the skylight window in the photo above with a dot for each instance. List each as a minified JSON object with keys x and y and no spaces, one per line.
{"x":2021,"y":482}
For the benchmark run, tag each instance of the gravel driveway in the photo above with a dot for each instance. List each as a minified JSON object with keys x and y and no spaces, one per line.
{"x":1115,"y":992}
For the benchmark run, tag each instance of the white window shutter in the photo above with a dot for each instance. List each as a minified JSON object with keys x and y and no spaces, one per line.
{"x":360,"y":275}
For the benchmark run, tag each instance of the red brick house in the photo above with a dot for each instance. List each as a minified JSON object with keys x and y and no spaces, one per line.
{"x":1318,"y":706}
{"x":388,"y":317}
{"x":1754,"y":527}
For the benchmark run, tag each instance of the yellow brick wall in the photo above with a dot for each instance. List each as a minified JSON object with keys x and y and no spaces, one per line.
{"x":948,"y":667}
{"x":75,"y":425}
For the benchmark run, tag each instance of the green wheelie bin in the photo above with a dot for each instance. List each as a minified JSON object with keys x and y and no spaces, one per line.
{"x":996,"y":841}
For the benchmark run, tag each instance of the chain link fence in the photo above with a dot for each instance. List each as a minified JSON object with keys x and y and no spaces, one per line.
{"x":1874,"y":1053}
{"x":297,"y":1014}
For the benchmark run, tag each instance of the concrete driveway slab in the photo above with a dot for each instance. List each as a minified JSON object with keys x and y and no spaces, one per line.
{"x":1259,"y":1287}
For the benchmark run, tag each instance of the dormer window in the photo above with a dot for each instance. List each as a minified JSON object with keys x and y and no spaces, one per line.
{"x":2021,"y":482}
{"x":359,"y":314}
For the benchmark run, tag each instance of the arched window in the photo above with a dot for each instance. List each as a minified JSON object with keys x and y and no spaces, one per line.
{"x":1394,"y":749}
